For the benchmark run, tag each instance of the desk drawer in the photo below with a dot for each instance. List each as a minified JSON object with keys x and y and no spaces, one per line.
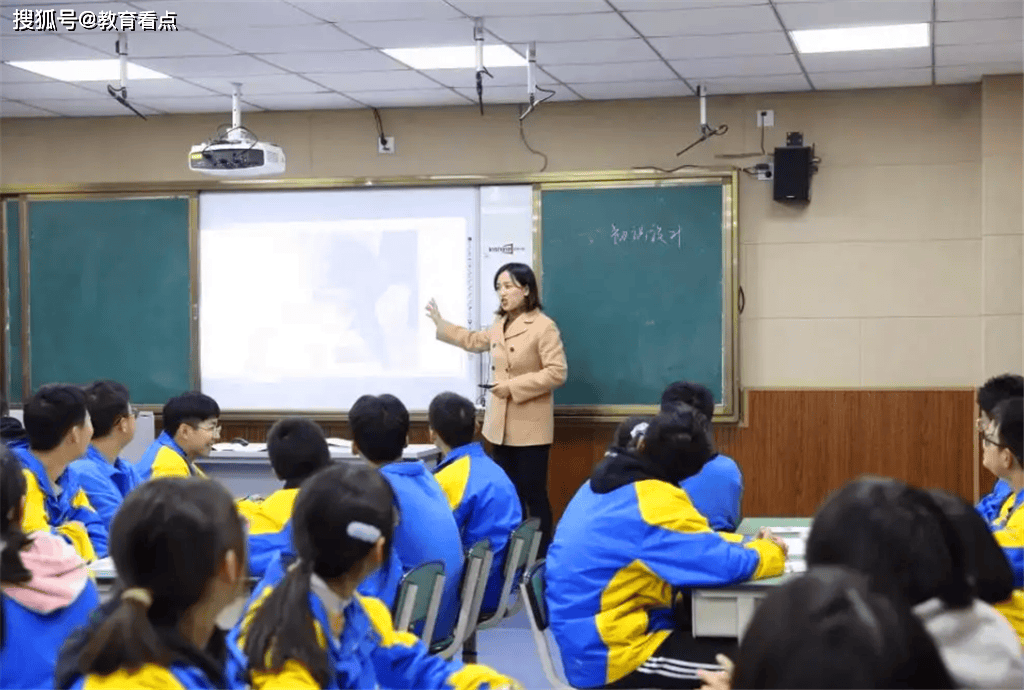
{"x":723,"y":612}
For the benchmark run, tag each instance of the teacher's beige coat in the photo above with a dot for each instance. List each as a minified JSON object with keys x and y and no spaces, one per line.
{"x":530,"y":357}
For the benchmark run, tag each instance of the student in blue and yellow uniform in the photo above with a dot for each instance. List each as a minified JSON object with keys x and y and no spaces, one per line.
{"x":102,"y":473}
{"x":1003,"y":456}
{"x":47,"y":591}
{"x":191,"y":427}
{"x":482,"y":497}
{"x":59,"y":431}
{"x":993,"y":392}
{"x":717,"y":490}
{"x":427,"y":531}
{"x":179,"y":548}
{"x":628,"y":539}
{"x":297,"y":450}
{"x":307,"y":627}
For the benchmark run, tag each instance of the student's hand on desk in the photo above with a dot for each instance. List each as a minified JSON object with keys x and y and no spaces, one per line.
{"x":433,"y":313}
{"x":765,"y":533}
{"x":717,"y":680}
{"x":501,"y":390}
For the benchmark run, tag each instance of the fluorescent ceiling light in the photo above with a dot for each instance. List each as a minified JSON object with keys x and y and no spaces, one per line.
{"x":456,"y":57}
{"x":87,"y":70}
{"x":862,"y":38}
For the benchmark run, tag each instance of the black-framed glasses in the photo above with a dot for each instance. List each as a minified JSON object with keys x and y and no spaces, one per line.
{"x":988,"y":440}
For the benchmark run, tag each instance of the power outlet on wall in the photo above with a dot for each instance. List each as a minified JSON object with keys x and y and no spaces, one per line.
{"x":386,"y":146}
{"x":765,"y":118}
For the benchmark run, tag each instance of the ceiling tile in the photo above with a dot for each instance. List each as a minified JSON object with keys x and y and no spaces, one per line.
{"x":378,"y":10}
{"x":282,"y":39}
{"x":391,"y":80}
{"x":872,"y":78}
{"x":612,"y":71}
{"x":730,"y":45}
{"x":737,"y":67}
{"x":305,"y":101}
{"x":968,"y":74}
{"x":769,"y":84}
{"x":45,"y":47}
{"x":976,"y":54}
{"x":868,"y":59}
{"x":15,"y":109}
{"x":836,"y":13}
{"x":197,"y":104}
{"x":631,"y":89}
{"x":50,"y":89}
{"x":155,"y":44}
{"x":220,"y":66}
{"x":706,"y":22}
{"x":91,"y":107}
{"x":585,"y":52}
{"x":166,"y":88}
{"x":216,"y":14}
{"x":983,"y":31}
{"x":408,"y":98}
{"x":503,"y":76}
{"x":662,"y":5}
{"x":413,"y":34}
{"x":16,"y":75}
{"x":517,"y":94}
{"x":962,"y":10}
{"x":367,"y":60}
{"x":261,"y":84}
{"x":528,"y":8}
{"x":560,"y":27}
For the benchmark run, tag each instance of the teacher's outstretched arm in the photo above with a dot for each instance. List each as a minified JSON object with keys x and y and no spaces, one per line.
{"x":472,"y":341}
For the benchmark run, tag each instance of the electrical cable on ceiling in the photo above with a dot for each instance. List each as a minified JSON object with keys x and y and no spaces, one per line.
{"x":121,"y":94}
{"x":531,"y":83}
{"x":706,"y":130}
{"x":478,"y":38}
{"x":522,"y":135}
{"x":380,"y":127}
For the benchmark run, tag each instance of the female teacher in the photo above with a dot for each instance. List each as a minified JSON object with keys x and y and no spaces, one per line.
{"x":527,"y":364}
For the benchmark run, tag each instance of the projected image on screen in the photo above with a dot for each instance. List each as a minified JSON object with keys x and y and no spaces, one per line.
{"x":310,"y":315}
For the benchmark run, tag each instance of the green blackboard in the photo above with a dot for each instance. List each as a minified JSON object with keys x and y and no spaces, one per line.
{"x":640,"y":280}
{"x":12,"y":357}
{"x":110,"y":294}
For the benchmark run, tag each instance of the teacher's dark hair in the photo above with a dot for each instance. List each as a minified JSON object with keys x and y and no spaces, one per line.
{"x":524,"y":277}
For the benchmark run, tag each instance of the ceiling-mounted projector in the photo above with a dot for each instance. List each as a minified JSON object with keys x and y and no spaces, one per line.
{"x":236,"y":152}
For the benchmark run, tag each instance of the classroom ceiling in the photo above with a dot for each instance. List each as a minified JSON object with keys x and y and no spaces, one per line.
{"x":304,"y":55}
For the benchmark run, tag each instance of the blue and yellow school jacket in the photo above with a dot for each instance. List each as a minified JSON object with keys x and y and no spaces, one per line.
{"x":165,"y":458}
{"x":178,"y":676}
{"x":1008,"y":529}
{"x":105,"y":484}
{"x":368,"y":653}
{"x":717,"y":492}
{"x":426,"y":532}
{"x":269,"y":527}
{"x":64,"y":509}
{"x":628,"y":537}
{"x":485,"y":505}
{"x":989,"y":506}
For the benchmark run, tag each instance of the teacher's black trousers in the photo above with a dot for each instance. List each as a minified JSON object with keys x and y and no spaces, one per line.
{"x":527,"y":467}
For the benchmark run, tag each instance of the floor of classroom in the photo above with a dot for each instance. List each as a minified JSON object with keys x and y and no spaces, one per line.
{"x":509,"y":648}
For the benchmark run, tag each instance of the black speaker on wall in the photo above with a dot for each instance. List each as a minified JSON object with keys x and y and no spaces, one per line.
{"x":794,"y":165}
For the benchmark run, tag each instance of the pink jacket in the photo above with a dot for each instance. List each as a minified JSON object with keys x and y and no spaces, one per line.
{"x":59,"y":575}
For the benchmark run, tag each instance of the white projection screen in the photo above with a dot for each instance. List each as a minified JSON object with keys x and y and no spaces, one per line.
{"x":309,"y":299}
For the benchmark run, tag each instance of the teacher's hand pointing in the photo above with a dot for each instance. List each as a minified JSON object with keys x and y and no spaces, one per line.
{"x":432,"y":312}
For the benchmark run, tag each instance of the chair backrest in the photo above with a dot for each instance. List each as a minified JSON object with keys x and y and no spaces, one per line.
{"x":521,"y":552}
{"x":419,"y":598}
{"x":533,"y":586}
{"x":471,"y":594}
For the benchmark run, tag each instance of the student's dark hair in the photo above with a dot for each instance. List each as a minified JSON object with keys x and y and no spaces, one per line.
{"x":453,"y":418}
{"x":523,"y":276}
{"x":827,"y":629}
{"x":999,"y":388}
{"x":297,"y":449}
{"x":190,"y":408}
{"x":624,"y":438}
{"x":328,"y":504}
{"x":51,"y":413}
{"x":380,"y":427}
{"x":1009,"y":418}
{"x":12,"y":490}
{"x":108,"y":403}
{"x":693,"y":394}
{"x":678,"y":442}
{"x":987,"y":567}
{"x":897,"y":536}
{"x":169,"y":538}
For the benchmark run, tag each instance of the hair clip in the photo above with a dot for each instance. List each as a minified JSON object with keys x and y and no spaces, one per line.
{"x":363,"y":532}
{"x":638,"y":431}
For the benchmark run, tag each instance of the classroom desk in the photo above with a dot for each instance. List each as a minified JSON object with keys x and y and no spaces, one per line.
{"x":726,"y":611}
{"x":248,"y":472}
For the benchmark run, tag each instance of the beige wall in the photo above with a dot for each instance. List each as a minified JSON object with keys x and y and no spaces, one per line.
{"x":903,"y":271}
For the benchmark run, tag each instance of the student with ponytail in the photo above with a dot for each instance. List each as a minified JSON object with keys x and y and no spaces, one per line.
{"x":46,"y":589}
{"x":179,"y":548}
{"x":307,"y":626}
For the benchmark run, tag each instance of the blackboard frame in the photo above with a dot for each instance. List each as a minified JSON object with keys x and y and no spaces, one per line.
{"x":728,"y":410}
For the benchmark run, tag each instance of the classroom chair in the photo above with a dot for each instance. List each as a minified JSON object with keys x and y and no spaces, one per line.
{"x":523,"y":545}
{"x":471,"y":597}
{"x":532,"y":590}
{"x":419,"y":598}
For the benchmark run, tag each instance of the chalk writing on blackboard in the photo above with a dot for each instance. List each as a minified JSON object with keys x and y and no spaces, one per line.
{"x":653,"y":234}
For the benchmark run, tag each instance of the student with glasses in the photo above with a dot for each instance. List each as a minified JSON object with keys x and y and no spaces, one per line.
{"x":191,"y":427}
{"x":102,"y":473}
{"x":993,"y":392}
